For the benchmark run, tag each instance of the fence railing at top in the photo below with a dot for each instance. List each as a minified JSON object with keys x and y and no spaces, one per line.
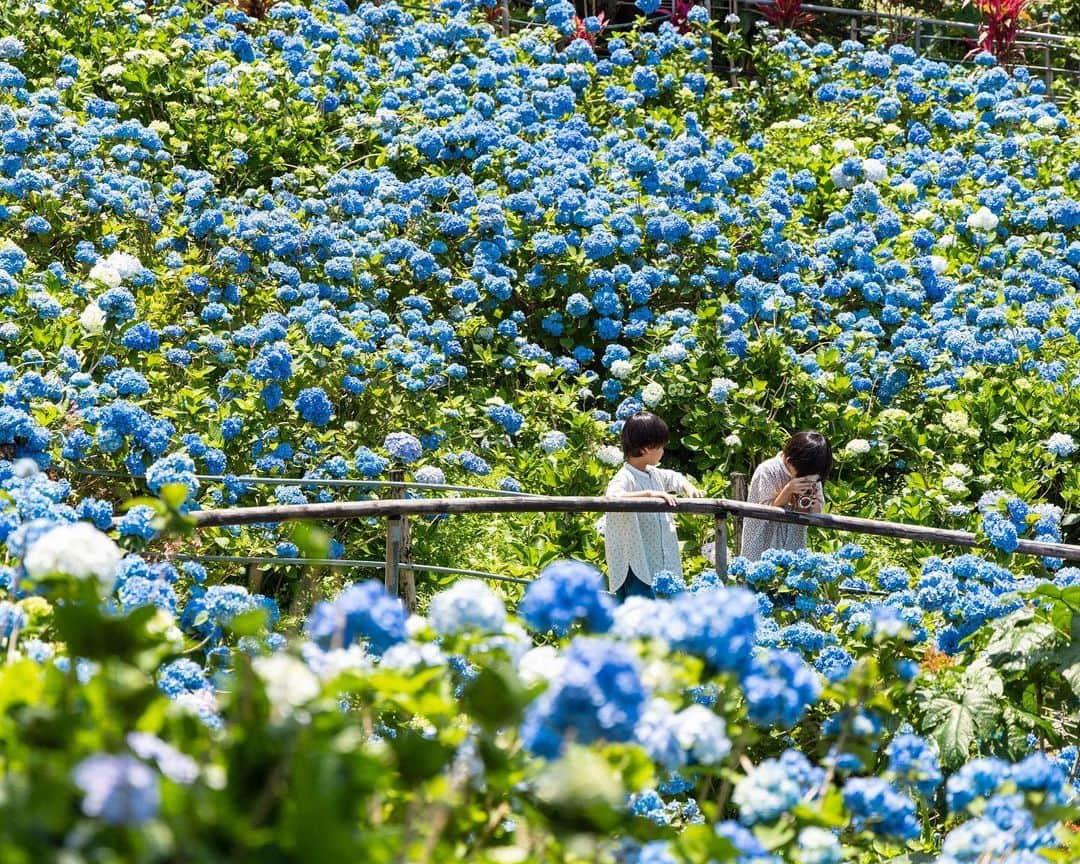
{"x":924,"y":31}
{"x":328,"y":482}
{"x":398,"y":511}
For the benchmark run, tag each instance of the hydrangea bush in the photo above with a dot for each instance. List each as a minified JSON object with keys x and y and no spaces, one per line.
{"x":661,"y":730}
{"x":411,"y":244}
{"x":339,"y":242}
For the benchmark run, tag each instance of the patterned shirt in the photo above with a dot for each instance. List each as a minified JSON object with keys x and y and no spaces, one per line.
{"x":758,"y":535}
{"x":643,"y":542}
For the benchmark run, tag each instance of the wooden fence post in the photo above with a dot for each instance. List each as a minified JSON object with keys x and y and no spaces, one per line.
{"x":721,"y":549}
{"x":399,"y":578}
{"x":738,"y":493}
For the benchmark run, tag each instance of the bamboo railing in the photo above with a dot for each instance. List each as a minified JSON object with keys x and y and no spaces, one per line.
{"x":399,"y":569}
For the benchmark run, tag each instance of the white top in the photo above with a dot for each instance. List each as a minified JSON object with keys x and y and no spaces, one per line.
{"x":758,"y":535}
{"x":643,"y":542}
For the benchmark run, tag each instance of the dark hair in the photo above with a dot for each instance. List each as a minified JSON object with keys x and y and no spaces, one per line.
{"x":809,"y":453}
{"x":641,"y":432}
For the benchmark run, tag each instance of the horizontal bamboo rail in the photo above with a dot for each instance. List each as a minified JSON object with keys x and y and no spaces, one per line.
{"x":716,"y":507}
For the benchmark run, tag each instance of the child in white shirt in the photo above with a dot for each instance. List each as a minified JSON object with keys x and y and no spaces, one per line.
{"x":639,"y":545}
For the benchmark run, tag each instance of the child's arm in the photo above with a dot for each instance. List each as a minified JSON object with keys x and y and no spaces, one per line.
{"x":649,"y":493}
{"x":678,"y":483}
{"x":617,"y":488}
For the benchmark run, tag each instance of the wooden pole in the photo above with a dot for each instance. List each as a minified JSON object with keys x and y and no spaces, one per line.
{"x":721,"y":554}
{"x":738,"y":493}
{"x":567,"y":504}
{"x":399,"y":578}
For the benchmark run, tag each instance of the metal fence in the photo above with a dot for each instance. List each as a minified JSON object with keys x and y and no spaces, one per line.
{"x":1044,"y":52}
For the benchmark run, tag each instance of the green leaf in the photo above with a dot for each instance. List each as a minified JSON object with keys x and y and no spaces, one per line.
{"x":1017,"y":639}
{"x":173,"y":495}
{"x":90,"y":633}
{"x":496,"y":697}
{"x":142,"y":501}
{"x":830,"y":813}
{"x":311,"y":540}
{"x":697,"y":843}
{"x":955,"y":721}
{"x":1069,"y":667}
{"x":250,"y":623}
{"x":419,"y":758}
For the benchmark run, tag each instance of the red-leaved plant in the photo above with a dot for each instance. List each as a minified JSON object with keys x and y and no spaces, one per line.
{"x":786,"y":14}
{"x":582,"y":32}
{"x":1001,"y":21}
{"x":679,"y":14}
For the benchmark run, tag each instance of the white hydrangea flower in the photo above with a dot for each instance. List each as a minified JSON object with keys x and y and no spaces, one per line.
{"x":202,"y":702}
{"x":857,"y":447}
{"x":839,"y":179}
{"x":415,"y":625}
{"x":289,"y":682}
{"x":907,"y":189}
{"x":923,"y":216}
{"x":330,"y":664}
{"x":955,"y":421}
{"x":939,"y":264}
{"x":24,"y":467}
{"x":77,"y":550}
{"x":105,"y":274}
{"x":818,"y":846}
{"x":959,"y":469}
{"x":946,"y":241}
{"x":733,"y":440}
{"x":844,"y":145}
{"x":621,"y":369}
{"x":954,"y":486}
{"x":467,"y":606}
{"x":609,"y":454}
{"x":1061,"y":444}
{"x":703,"y":733}
{"x":982,"y":219}
{"x":92,"y":319}
{"x":652,"y":394}
{"x":874,"y":170}
{"x":540,"y":664}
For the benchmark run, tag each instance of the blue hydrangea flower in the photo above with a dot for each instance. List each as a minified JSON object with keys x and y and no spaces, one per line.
{"x":774,"y":786}
{"x":403,"y":446}
{"x":565,"y":593}
{"x":779,"y":687}
{"x":314,"y":406}
{"x":175,"y":468}
{"x":876,"y":806}
{"x":362,"y":611}
{"x":914,"y":764}
{"x":598,"y":695}
{"x":118,"y":790}
{"x":506,"y":417}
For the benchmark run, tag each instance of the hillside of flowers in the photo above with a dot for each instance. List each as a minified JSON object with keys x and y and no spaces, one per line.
{"x":338,"y":242}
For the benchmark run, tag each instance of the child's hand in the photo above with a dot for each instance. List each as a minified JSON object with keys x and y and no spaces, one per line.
{"x":666,"y":496}
{"x":691,"y":491}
